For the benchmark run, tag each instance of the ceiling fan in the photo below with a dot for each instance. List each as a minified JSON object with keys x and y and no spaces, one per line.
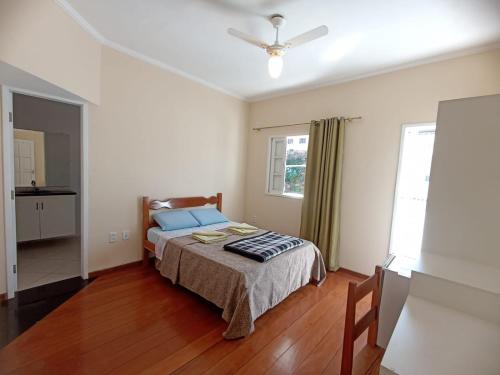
{"x":277,"y":50}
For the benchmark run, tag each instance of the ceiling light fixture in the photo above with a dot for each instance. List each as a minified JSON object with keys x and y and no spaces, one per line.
{"x":275,"y":66}
{"x":277,"y":50}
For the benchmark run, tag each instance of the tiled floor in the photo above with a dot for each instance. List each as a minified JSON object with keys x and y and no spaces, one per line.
{"x":43,"y":262}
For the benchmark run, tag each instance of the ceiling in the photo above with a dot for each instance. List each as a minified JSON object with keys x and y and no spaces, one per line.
{"x":366,"y":37}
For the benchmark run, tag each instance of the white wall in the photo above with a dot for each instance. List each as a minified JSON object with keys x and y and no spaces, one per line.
{"x":371,"y":148}
{"x":463,"y":215}
{"x":161,"y":135}
{"x":38,"y":37}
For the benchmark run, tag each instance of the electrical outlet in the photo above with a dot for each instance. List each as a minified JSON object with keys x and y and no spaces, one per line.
{"x":125,"y":235}
{"x":113,"y":236}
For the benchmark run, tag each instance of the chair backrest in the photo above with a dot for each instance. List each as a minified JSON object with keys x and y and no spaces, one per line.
{"x":368,"y":321}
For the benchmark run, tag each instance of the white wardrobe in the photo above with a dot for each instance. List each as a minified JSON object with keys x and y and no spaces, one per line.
{"x":441,"y":314}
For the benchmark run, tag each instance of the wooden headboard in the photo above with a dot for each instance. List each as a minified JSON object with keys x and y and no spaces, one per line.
{"x":149,"y":204}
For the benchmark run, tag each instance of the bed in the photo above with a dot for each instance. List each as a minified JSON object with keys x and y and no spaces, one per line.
{"x":243,"y":288}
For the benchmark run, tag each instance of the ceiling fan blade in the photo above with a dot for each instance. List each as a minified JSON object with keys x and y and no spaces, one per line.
{"x":308,"y":36}
{"x":247,"y":38}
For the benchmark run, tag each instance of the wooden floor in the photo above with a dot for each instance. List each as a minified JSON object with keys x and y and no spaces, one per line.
{"x":134,"y":321}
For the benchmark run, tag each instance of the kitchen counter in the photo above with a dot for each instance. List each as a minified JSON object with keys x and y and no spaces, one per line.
{"x":43,"y":192}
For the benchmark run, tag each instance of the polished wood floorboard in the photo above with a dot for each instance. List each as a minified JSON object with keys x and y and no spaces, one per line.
{"x":134,"y":321}
{"x":30,"y":305}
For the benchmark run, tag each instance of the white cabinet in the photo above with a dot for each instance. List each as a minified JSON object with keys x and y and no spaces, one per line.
{"x":27,"y":218}
{"x":57,"y":216}
{"x":41,"y":217}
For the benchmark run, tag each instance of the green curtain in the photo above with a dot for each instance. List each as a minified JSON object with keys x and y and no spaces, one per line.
{"x":320,"y":222}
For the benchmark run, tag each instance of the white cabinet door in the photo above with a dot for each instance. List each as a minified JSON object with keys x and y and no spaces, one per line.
{"x":57,"y":216}
{"x":27,"y":218}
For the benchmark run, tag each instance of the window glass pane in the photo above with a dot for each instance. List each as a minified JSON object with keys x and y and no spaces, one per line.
{"x":411,"y":190}
{"x":296,"y":159}
{"x":294,"y":180}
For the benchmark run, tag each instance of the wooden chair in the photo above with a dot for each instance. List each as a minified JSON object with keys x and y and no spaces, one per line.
{"x":368,"y":321}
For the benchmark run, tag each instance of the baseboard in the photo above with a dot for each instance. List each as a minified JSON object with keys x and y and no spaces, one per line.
{"x":353,"y":273}
{"x":104,"y":271}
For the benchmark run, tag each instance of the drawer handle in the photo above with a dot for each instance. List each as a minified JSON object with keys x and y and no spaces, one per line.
{"x":37,"y":206}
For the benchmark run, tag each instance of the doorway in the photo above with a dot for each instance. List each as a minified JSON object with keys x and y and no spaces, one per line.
{"x":45,"y":189}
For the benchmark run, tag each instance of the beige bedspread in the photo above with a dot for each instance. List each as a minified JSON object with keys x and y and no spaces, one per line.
{"x":242,"y":287}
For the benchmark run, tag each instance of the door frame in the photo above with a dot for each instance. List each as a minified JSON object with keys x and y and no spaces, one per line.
{"x":9,"y":208}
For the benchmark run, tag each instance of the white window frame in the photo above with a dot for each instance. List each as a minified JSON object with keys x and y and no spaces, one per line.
{"x":269,"y":168}
{"x":398,"y":176}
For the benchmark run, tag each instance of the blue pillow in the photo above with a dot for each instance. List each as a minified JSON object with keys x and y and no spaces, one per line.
{"x":172,"y":220}
{"x":207,"y":216}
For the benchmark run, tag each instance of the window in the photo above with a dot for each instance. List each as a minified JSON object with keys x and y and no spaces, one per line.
{"x":287,"y":165}
{"x":417,"y":144}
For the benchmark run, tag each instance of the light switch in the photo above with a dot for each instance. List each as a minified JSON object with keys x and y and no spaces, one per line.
{"x":125,"y":235}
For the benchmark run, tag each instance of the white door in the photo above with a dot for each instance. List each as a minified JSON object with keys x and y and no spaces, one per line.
{"x":24,"y":162}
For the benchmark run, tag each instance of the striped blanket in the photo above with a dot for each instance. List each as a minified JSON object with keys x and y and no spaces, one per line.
{"x":264,"y":247}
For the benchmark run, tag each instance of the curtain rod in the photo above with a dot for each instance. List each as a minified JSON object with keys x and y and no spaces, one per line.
{"x":348,"y":119}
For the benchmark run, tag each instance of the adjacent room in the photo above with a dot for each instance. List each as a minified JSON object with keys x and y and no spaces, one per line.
{"x":250,"y":187}
{"x":47,"y":182}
